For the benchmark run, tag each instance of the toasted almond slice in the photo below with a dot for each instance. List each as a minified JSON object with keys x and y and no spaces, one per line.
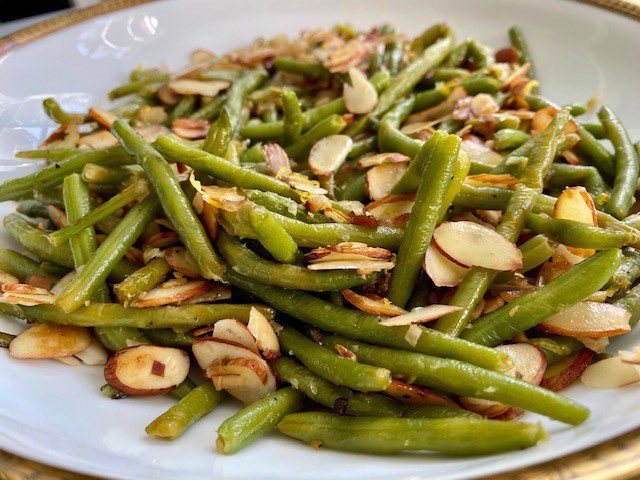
{"x":589,"y":319}
{"x":486,"y":408}
{"x":256,"y":378}
{"x":25,"y":294}
{"x":57,"y":216}
{"x":576,"y":204}
{"x":265,"y":335}
{"x":329,"y":153}
{"x":97,"y":141}
{"x":8,"y":278}
{"x":528,"y":361}
{"x":422,"y":129}
{"x":153,"y":115}
{"x":224,"y":198}
{"x":49,"y":341}
{"x":345,"y":57}
{"x":167,"y":295}
{"x":208,"y":350}
{"x":104,"y":117}
{"x":373,"y":304}
{"x":632,"y":356}
{"x":390,"y":207}
{"x":415,"y":395}
{"x":235,"y":331}
{"x":190,"y":128}
{"x":365,"y":265}
{"x":360,"y":96}
{"x":480,"y":153}
{"x":94,"y":354}
{"x":71,"y":361}
{"x":161,"y":240}
{"x":346,"y":353}
{"x":382,"y":178}
{"x":348,"y":251}
{"x":149,"y":254}
{"x":198,"y":87}
{"x":181,"y":261}
{"x":302,"y":183}
{"x":151,"y":132}
{"x":276,"y":158}
{"x":420,"y":315}
{"x":63,"y":283}
{"x":147,"y":370}
{"x":598,"y":345}
{"x":209,"y":219}
{"x":542,"y":119}
{"x":217,"y":293}
{"x":568,"y":255}
{"x":567,"y":371}
{"x":611,"y":372}
{"x":66,"y":136}
{"x":167,"y":96}
{"x":382,"y":158}
{"x":470,"y":244}
{"x":502,"y":180}
{"x":413,"y":334}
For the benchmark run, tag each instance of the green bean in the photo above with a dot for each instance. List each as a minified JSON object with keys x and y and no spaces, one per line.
{"x":331,"y":125}
{"x":480,"y":84}
{"x":390,"y":138}
{"x":445,"y":74}
{"x":353,"y":188}
{"x":428,"y":98}
{"x":457,"y":55}
{"x":393,"y":56}
{"x":627,"y":272}
{"x":56,"y":113}
{"x":453,"y":436}
{"x":115,"y":203}
{"x":238,"y":92}
{"x":556,"y":347}
{"x":182,"y":109}
{"x":626,"y":162}
{"x":142,"y":280}
{"x":306,"y":68}
{"x":92,"y":173}
{"x":431,"y":204}
{"x":315,"y":235}
{"x":21,"y":266}
{"x":33,"y":208}
{"x":595,"y":129}
{"x":52,"y":175}
{"x":188,"y":410}
{"x":252,"y":154}
{"x":595,"y":153}
{"x":51,"y":154}
{"x":535,"y":252}
{"x":5,"y":339}
{"x":219,"y":136}
{"x":333,"y":366}
{"x":112,"y":392}
{"x":508,"y":139}
{"x":562,"y":175}
{"x":580,"y":235}
{"x":631,"y":302}
{"x":245,"y":262}
{"x":518,"y":41}
{"x":256,"y":419}
{"x":481,"y":54}
{"x":430,"y":36}
{"x":115,"y":315}
{"x":362,"y":147}
{"x":461,"y":378}
{"x":284,"y":206}
{"x":169,"y":337}
{"x":292,"y":117}
{"x":527,"y":311}
{"x":220,"y":74}
{"x":135,"y":86}
{"x":273,"y":236}
{"x":173,"y":200}
{"x":95,"y":272}
{"x":365,"y":327}
{"x":211,"y":109}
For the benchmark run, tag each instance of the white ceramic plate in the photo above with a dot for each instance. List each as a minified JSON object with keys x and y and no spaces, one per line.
{"x":55,"y":414}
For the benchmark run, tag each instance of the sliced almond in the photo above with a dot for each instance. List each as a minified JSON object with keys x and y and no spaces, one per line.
{"x":94,"y":354}
{"x":471,"y":244}
{"x":348,"y":251}
{"x":198,"y":87}
{"x":329,"y":153}
{"x":181,"y":261}
{"x":382,"y":178}
{"x":346,"y":353}
{"x":589,"y":319}
{"x":442,"y":109}
{"x":528,"y":361}
{"x":480,"y":153}
{"x":413,"y":334}
{"x":345,"y":57}
{"x":190,"y":128}
{"x":542,"y":119}
{"x":420,"y":315}
{"x":611,"y":372}
{"x":25,"y":294}
{"x":235,"y":331}
{"x":104,"y":117}
{"x":217,"y":293}
{"x":360,"y":96}
{"x":597,"y":345}
{"x":66,"y":136}
{"x":416,"y":395}
{"x":442,"y":271}
{"x":153,"y":115}
{"x":265,"y":335}
{"x":576,"y":204}
{"x":174,"y":294}
{"x":373,"y":304}
{"x":98,"y":141}
{"x":382,"y":158}
{"x":302,"y":183}
{"x":63,"y":283}
{"x":276,"y":158}
{"x":49,"y":341}
{"x":167,"y":96}
{"x":360,"y":265}
{"x":632,"y":356}
{"x":254,"y":380}
{"x":147,"y":370}
{"x":150,"y":133}
{"x":224,"y":198}
{"x":57,"y":216}
{"x":8,"y":278}
{"x":502,"y":180}
{"x":161,"y":240}
{"x":390,"y":207}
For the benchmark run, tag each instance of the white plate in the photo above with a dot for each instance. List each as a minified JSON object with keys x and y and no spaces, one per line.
{"x":55,"y":414}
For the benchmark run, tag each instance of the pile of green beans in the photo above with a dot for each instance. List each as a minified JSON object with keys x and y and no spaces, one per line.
{"x":300,"y":190}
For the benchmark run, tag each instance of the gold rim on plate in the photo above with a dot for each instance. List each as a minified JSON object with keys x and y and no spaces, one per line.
{"x":616,"y":459}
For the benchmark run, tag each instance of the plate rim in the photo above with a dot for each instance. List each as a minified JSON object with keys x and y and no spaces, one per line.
{"x":618,"y":457}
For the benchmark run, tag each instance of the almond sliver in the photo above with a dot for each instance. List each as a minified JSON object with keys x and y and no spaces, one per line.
{"x":365,"y":265}
{"x":372,"y":304}
{"x":576,"y":204}
{"x":589,"y":319}
{"x":360,"y":96}
{"x":198,"y":87}
{"x":329,"y":153}
{"x":382,"y":158}
{"x":382,"y":178}
{"x":420,"y":315}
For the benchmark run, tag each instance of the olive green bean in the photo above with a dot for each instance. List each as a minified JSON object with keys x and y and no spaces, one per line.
{"x":219,"y":135}
{"x":142,"y":280}
{"x":292,"y":117}
{"x":306,"y":68}
{"x":273,"y":236}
